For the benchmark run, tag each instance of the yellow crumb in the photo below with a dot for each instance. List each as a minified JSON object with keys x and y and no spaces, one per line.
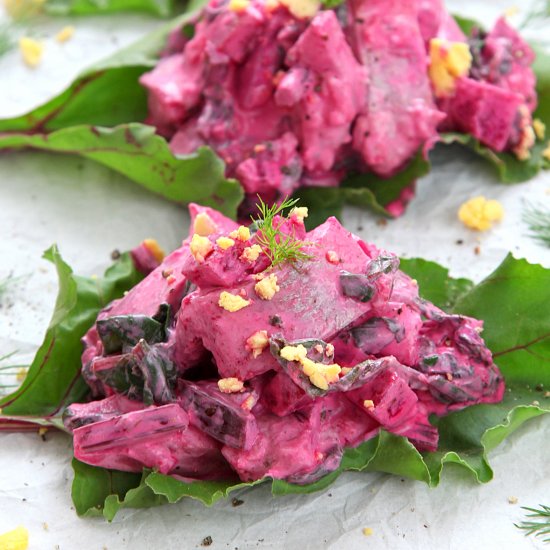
{"x":17,"y":539}
{"x":367,"y":531}
{"x":480,"y":214}
{"x":230,"y":385}
{"x":204,"y":225}
{"x":540,"y":128}
{"x":238,"y":5}
{"x":241,"y":234}
{"x":18,"y":9}
{"x":65,"y":34}
{"x":225,"y":242}
{"x":302,"y":9}
{"x":332,"y":257}
{"x":267,"y":287}
{"x":200,"y":247}
{"x":319,"y":375}
{"x":251,"y":253}
{"x":21,"y":373}
{"x":153,"y":246}
{"x":300,"y":213}
{"x":31,"y":50}
{"x":257,"y":342}
{"x":368,"y":404}
{"x":511,"y":11}
{"x":231,"y":302}
{"x":448,"y":61}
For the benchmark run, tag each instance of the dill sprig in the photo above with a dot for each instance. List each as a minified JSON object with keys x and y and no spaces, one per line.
{"x":540,"y":528}
{"x":538,"y":13}
{"x":537,"y":219}
{"x":279,"y":247}
{"x":10,"y":372}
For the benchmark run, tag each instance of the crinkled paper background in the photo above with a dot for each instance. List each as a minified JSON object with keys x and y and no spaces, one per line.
{"x":89,"y":211}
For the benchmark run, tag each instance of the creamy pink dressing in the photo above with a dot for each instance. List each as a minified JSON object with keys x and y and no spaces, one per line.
{"x":290,"y":102}
{"x":195,"y":398}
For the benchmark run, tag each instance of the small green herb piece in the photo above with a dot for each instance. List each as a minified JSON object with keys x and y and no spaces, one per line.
{"x":279,"y":247}
{"x":9,"y":372}
{"x":537,"y":219}
{"x":538,"y":13}
{"x":540,"y":528}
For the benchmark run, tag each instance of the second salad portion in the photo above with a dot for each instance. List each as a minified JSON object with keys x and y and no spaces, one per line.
{"x":265,"y":351}
{"x":291,"y":95}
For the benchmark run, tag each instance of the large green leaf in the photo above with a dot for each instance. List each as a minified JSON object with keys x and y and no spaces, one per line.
{"x":93,"y":7}
{"x":137,"y":152}
{"x":513,"y":304}
{"x":508,"y":167}
{"x":435,"y":283}
{"x":88,"y":119}
{"x":53,"y":380}
{"x":363,"y":190}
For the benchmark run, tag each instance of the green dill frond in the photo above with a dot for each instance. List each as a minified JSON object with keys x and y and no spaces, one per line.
{"x":540,"y":528}
{"x":12,"y":374}
{"x":538,"y":14}
{"x":279,"y":247}
{"x":537,"y":219}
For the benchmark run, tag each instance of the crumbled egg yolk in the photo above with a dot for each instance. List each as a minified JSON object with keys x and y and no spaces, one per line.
{"x":200,"y":247}
{"x":448,"y":61}
{"x":527,"y":137}
{"x":320,"y":375}
{"x":302,"y":9}
{"x":241,"y":234}
{"x":230,"y":385}
{"x":300,"y":213}
{"x":23,"y":8}
{"x":225,"y":242}
{"x":238,"y":5}
{"x":251,"y":253}
{"x":368,"y":404}
{"x":511,"y":11}
{"x":21,"y":374}
{"x":65,"y":34}
{"x":257,"y":342}
{"x":154,"y":248}
{"x":248,"y":403}
{"x":31,"y":50}
{"x":332,"y":257}
{"x":367,"y":531}
{"x":232,"y":302}
{"x":17,"y":539}
{"x":480,"y":213}
{"x":267,"y":287}
{"x":540,"y":128}
{"x":204,"y":225}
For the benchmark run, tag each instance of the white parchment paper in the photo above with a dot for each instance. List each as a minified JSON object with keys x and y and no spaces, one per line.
{"x":88,"y":211}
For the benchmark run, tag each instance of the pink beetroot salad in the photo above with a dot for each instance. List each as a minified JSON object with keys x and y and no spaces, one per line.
{"x":220,"y":366}
{"x":291,"y":101}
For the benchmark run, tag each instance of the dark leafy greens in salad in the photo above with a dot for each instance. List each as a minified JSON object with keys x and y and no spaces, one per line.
{"x":516,"y":330}
{"x":97,"y":117}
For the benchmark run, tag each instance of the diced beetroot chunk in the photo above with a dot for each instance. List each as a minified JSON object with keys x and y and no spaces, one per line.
{"x":485,"y":111}
{"x":224,"y":417}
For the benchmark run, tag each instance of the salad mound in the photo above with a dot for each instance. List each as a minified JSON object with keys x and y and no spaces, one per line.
{"x":225,"y":363}
{"x":291,"y":95}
